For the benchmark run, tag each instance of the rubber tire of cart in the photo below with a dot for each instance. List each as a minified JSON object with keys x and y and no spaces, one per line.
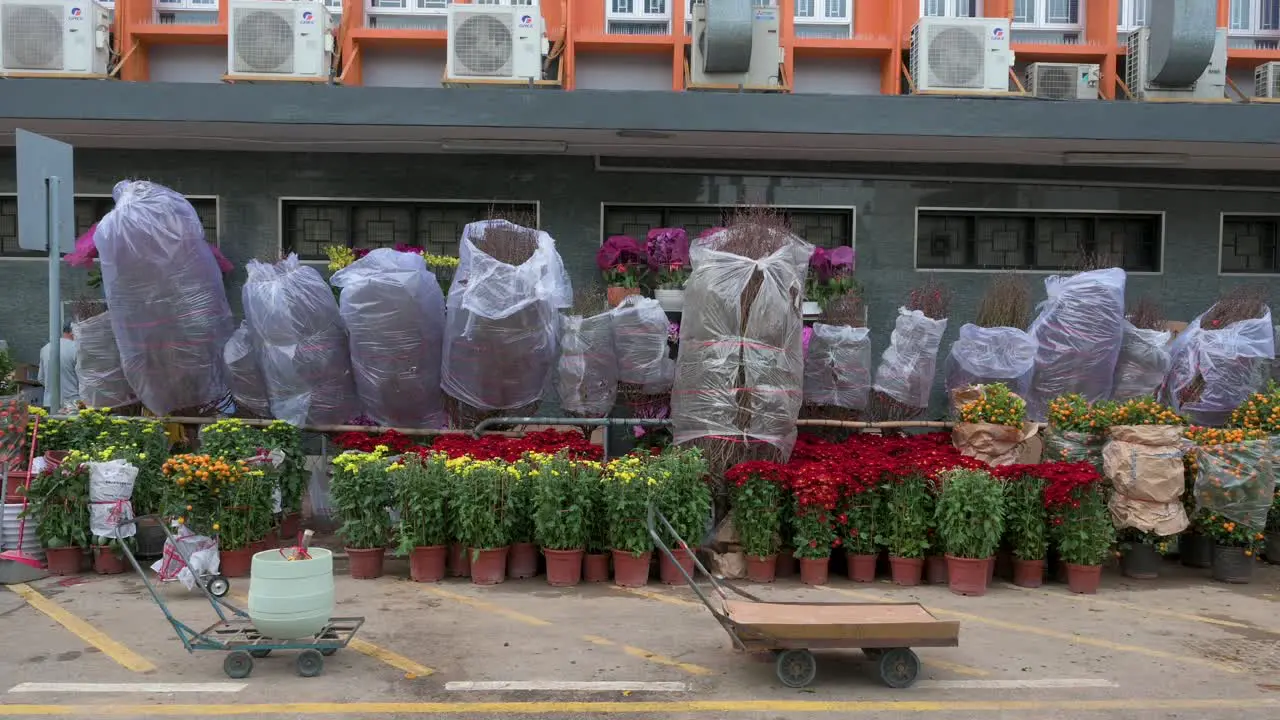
{"x":310,"y":663}
{"x":237,"y":665}
{"x":328,"y":651}
{"x":796,"y":668}
{"x":873,"y":653}
{"x":218,"y":586}
{"x":260,"y":653}
{"x":899,"y":668}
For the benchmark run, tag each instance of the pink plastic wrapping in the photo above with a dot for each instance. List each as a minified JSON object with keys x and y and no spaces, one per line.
{"x":1232,"y":363}
{"x":248,"y":386}
{"x":587,"y":372}
{"x":102,"y":381}
{"x":837,"y":367}
{"x":394,"y":313}
{"x":982,"y":356}
{"x":168,"y":306}
{"x":910,"y":362}
{"x":640,"y":329}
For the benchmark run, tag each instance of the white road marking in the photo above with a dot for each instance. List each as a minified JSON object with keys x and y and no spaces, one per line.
{"x":567,"y":686}
{"x":1048,"y":684}
{"x":154,"y":688}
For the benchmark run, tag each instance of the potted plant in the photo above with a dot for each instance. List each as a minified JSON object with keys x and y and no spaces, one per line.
{"x":859,"y":521}
{"x":561,"y":510}
{"x":480,"y":497}
{"x":970,"y":521}
{"x":619,"y":260}
{"x":1026,"y":528}
{"x":420,"y":487}
{"x":225,"y":499}
{"x":1083,"y":535}
{"x":629,"y":486}
{"x":58,"y":500}
{"x":667,"y":250}
{"x":1236,"y":486}
{"x":108,"y":557}
{"x":522,"y":560}
{"x":595,"y":563}
{"x":362,"y":497}
{"x":815,"y":490}
{"x":830,"y":276}
{"x":907,"y":518}
{"x":1141,"y":553}
{"x":755,"y":494}
{"x":1234,"y":546}
{"x":1075,"y":431}
{"x":685,"y":499}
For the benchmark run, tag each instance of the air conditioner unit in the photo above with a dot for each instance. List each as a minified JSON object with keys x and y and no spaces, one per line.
{"x":289,"y":39}
{"x":495,"y":42}
{"x":961,"y":54}
{"x":1063,"y":81}
{"x":1143,"y":77}
{"x":1266,"y":80}
{"x":735,"y":43}
{"x":54,"y":36}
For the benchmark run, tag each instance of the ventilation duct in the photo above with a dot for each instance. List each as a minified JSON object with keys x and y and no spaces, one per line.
{"x":1182,"y":40}
{"x":726,"y":39}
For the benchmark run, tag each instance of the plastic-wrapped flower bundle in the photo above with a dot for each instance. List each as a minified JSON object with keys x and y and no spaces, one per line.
{"x":169,"y":308}
{"x":101,"y":378}
{"x":640,"y":338}
{"x":587,"y":371}
{"x":248,"y":386}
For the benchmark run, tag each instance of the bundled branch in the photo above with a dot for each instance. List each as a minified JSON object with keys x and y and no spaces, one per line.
{"x":904,"y":379}
{"x":1222,"y":357}
{"x":995,"y":348}
{"x":1005,"y":304}
{"x":587,"y":370}
{"x":1144,"y":358}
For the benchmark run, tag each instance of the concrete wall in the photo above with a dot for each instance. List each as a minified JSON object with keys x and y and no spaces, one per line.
{"x":571,"y":192}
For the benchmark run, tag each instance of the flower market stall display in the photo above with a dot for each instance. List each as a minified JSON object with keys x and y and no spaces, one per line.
{"x":58,"y":500}
{"x":420,"y":487}
{"x":101,"y":377}
{"x":756,"y":495}
{"x":298,"y":330}
{"x":1079,"y":523}
{"x":1075,"y":433}
{"x":503,"y":318}
{"x":169,"y":310}
{"x":830,"y":276}
{"x":1143,"y":461}
{"x":904,"y":379}
{"x":1144,"y":358}
{"x":970,"y":521}
{"x":361,"y":490}
{"x":225,"y":499}
{"x":620,"y":260}
{"x":1235,"y":485}
{"x":640,"y":338}
{"x":394,"y":313}
{"x":244,"y":372}
{"x":1220,"y":359}
{"x":992,"y":425}
{"x":586,"y":373}
{"x":1026,"y":525}
{"x":908,"y":519}
{"x":995,"y":348}
{"x":629,"y":485}
{"x":1078,"y":334}
{"x":667,"y":253}
{"x":684,"y":497}
{"x":562,"y":496}
{"x":741,"y":365}
{"x":480,"y":497}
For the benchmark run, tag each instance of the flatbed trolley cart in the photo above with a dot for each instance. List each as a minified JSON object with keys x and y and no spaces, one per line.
{"x":884,"y":632}
{"x":234,"y":632}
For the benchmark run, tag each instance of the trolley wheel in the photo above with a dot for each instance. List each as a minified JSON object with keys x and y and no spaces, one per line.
{"x":796,"y":668}
{"x":218,"y":586}
{"x":328,"y":651}
{"x":237,"y":665}
{"x":310,"y":663}
{"x":899,"y":668}
{"x":873,"y":653}
{"x":260,"y":653}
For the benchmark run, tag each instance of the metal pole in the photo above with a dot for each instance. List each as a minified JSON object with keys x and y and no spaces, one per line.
{"x":53,"y":376}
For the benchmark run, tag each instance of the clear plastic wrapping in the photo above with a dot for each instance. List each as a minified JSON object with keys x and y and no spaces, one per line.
{"x":248,"y":386}
{"x":982,"y":356}
{"x":1238,"y":480}
{"x":169,"y":308}
{"x":1143,"y":362}
{"x":1077,"y":334}
{"x":741,"y":368}
{"x":1067,"y":446}
{"x":909,"y":364}
{"x":587,"y":371}
{"x":1214,"y":370}
{"x":101,"y":378}
{"x":302,"y":344}
{"x":837,"y":368}
{"x":500,"y":335}
{"x":393,"y":310}
{"x":640,"y":329}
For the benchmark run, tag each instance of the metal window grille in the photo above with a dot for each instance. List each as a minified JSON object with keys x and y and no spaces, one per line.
{"x":824,"y":228}
{"x":1250,"y":245}
{"x":89,"y":210}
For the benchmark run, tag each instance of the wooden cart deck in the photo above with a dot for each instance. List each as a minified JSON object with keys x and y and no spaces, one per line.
{"x":840,"y":625}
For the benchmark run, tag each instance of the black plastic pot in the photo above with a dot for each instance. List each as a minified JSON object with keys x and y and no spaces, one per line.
{"x":1140,"y":561}
{"x":1272,"y":548}
{"x":150,"y":539}
{"x":1231,"y":565}
{"x":1195,"y":550}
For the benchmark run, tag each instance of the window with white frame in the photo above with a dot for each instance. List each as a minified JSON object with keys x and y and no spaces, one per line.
{"x":638,"y":17}
{"x":405,"y":7}
{"x":1133,"y":14}
{"x":1254,"y":17}
{"x":835,"y":12}
{"x":1049,"y":14}
{"x":951,"y":8}
{"x":186,"y":12}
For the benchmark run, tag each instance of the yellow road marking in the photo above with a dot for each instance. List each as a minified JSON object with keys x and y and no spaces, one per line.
{"x":650,"y":656}
{"x":1095,"y":600}
{"x":607,"y":708}
{"x":487,"y":607}
{"x":83,"y":630}
{"x":954,"y":667}
{"x":1055,"y":634}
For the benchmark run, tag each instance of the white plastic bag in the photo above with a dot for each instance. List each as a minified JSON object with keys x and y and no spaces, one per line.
{"x":244,"y":372}
{"x":587,"y":371}
{"x":837,"y":370}
{"x":98,"y":370}
{"x":201,"y":551}
{"x":983,"y":356}
{"x":1142,"y":364}
{"x":640,"y":329}
{"x":909,"y":363}
{"x":110,"y":487}
{"x":1228,"y":364}
{"x":394,"y":314}
{"x":1077,"y":334}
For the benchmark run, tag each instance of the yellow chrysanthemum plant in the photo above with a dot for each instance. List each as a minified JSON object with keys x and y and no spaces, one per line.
{"x":361,"y":490}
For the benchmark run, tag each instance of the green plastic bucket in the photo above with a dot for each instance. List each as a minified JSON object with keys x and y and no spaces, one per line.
{"x":290,"y":600}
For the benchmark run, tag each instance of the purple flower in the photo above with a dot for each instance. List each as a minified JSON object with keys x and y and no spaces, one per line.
{"x":806,"y":337}
{"x":638,"y":431}
{"x":618,"y":250}
{"x":820,"y":264}
{"x":842,"y":259}
{"x":410,"y":249}
{"x":668,"y":248}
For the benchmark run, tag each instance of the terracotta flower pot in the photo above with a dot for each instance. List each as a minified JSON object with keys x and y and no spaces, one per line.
{"x":1084,"y":579}
{"x":290,"y":525}
{"x":668,"y":572}
{"x":489,"y":566}
{"x":762,"y":569}
{"x":235,"y":563}
{"x":522,"y":562}
{"x":617,"y":294}
{"x":813,"y":571}
{"x":459,"y":562}
{"x":862,"y":568}
{"x":365,"y":563}
{"x":107,"y":561}
{"x":787,"y":565}
{"x":631,"y":570}
{"x":564,"y":567}
{"x":63,"y":560}
{"x":426,"y":564}
{"x":968,"y":576}
{"x":906,"y":571}
{"x":935,"y":570}
{"x":1028,"y":573}
{"x":595,"y":567}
